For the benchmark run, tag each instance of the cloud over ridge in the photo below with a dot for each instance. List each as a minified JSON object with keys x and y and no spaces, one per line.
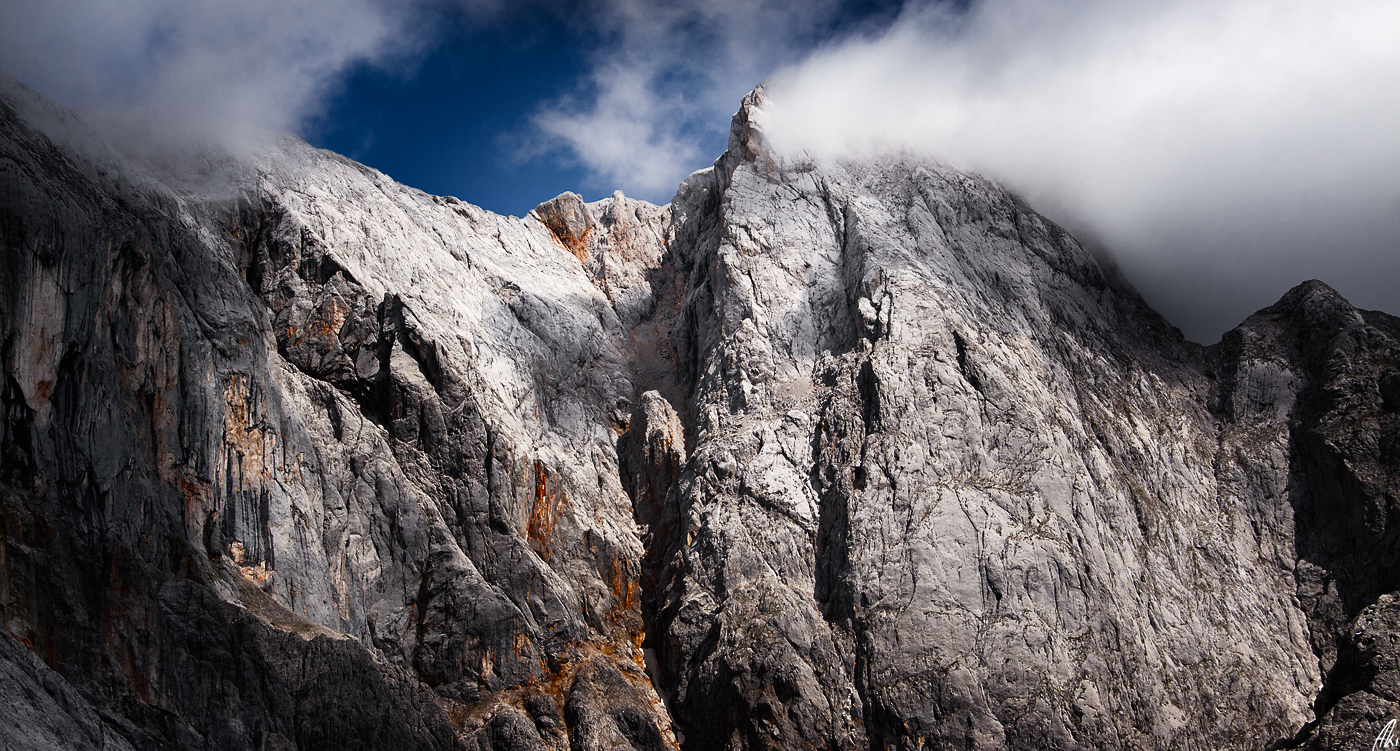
{"x":666,"y":78}
{"x":162,"y":74}
{"x":1222,"y":150}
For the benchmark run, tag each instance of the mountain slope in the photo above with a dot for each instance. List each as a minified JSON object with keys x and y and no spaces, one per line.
{"x":849,"y":455}
{"x":250,"y":455}
{"x":950,"y":483}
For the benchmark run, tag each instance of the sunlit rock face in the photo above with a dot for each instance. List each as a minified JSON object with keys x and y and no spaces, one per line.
{"x":314,"y":459}
{"x":835,"y":455}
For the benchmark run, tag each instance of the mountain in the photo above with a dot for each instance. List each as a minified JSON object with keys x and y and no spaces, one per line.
{"x":820,"y":455}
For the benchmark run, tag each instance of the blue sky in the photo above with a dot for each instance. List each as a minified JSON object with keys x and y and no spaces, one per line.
{"x":460,"y":116}
{"x":457,"y":121}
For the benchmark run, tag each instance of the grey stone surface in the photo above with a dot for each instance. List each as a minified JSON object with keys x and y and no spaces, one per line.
{"x":833,"y":455}
{"x":954,"y":485}
{"x":1360,"y":697}
{"x":39,"y":711}
{"x":301,"y":456}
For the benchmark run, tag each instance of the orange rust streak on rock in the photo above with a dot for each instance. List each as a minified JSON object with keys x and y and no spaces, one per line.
{"x":544,"y":513}
{"x":576,"y":245}
{"x":579,"y":247}
{"x":625,"y":611}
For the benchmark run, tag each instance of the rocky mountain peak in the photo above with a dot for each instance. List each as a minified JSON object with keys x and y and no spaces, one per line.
{"x":747,"y":142}
{"x":568,"y":219}
{"x":1315,"y":307}
{"x":863,"y":455}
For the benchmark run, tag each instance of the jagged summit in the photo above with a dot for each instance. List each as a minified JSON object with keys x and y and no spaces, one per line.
{"x":747,"y":143}
{"x":849,"y":455}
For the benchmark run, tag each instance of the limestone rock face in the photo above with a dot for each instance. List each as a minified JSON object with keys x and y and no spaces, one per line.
{"x":835,"y":455}
{"x":951,"y":484}
{"x":312,"y":458}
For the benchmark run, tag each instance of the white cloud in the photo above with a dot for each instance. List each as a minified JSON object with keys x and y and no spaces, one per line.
{"x":1223,"y":150}
{"x":165,"y":75}
{"x":628,"y":134}
{"x":666,"y":78}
